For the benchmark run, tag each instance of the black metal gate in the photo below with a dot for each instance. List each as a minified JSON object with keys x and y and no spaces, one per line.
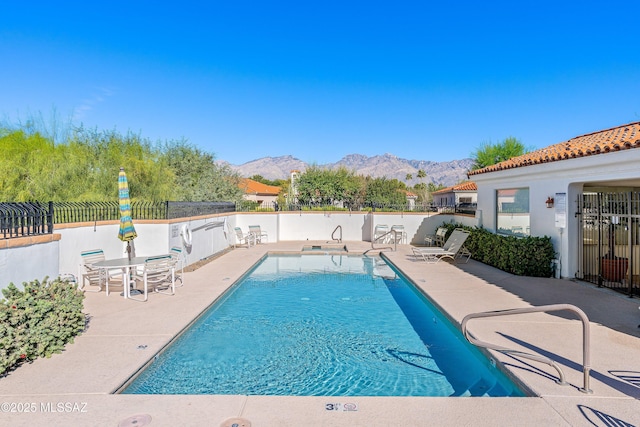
{"x":610,"y":250}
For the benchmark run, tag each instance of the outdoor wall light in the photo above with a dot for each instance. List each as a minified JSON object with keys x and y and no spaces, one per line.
{"x":549,"y":202}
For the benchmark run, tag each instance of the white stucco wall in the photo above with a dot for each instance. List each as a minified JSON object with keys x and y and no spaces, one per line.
{"x":210,"y":235}
{"x":545,"y":180}
{"x":26,"y":263}
{"x":154,"y":238}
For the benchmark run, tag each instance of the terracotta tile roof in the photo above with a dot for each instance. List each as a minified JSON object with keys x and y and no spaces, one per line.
{"x":463,"y":186}
{"x":249,"y":186}
{"x":619,"y":138}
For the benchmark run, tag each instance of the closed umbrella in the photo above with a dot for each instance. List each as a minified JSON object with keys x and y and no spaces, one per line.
{"x":127,"y":232}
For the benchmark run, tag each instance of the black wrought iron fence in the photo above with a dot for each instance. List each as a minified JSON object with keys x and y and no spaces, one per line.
{"x":65,"y":212}
{"x":18,"y":219}
{"x":187,"y":209}
{"x":28,"y":218}
{"x":252,"y":206}
{"x":25,"y":219}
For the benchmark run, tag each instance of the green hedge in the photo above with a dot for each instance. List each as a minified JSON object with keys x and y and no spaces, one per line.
{"x":523,"y":256}
{"x":38,"y":321}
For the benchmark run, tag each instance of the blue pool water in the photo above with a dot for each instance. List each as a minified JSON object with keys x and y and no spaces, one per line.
{"x":323,"y":325}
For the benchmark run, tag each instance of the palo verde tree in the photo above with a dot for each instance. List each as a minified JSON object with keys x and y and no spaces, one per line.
{"x":489,"y":154}
{"x":197,"y":177}
{"x":85,"y":165}
{"x":104,"y":152}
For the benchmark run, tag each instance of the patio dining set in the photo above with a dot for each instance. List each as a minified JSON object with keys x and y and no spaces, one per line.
{"x":158,"y":273}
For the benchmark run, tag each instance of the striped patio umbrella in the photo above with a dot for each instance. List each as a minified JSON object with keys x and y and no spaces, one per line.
{"x":127,"y":232}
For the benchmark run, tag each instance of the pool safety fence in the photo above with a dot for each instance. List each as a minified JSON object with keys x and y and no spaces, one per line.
{"x":66,"y":212}
{"x":25,"y":219}
{"x":19,"y":219}
{"x":253,"y":206}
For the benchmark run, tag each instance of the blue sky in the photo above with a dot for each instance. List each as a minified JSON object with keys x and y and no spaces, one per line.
{"x":242,"y":80}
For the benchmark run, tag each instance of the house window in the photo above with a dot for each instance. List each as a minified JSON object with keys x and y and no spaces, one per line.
{"x":465,"y":200}
{"x":513,"y":211}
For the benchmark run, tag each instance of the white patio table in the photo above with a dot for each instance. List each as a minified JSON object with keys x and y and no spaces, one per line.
{"x":125,"y":264}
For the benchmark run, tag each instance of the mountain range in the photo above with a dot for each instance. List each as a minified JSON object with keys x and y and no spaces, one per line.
{"x":386,"y":165}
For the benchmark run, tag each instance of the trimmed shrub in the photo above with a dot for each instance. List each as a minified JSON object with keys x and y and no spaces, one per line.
{"x":522,"y":256}
{"x":38,"y":321}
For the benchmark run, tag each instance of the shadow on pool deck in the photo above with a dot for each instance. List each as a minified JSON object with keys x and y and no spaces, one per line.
{"x":604,"y":306}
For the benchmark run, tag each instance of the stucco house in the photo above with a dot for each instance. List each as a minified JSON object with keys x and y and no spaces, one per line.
{"x":464,"y":193}
{"x":411,"y":199}
{"x":584,"y":193}
{"x":263,"y":194}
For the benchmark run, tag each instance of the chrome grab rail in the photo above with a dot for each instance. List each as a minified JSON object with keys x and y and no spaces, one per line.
{"x":388,"y":233}
{"x":586,"y":355}
{"x":334,"y":232}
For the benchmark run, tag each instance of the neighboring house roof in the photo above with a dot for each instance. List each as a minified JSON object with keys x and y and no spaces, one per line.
{"x":249,"y":186}
{"x":619,"y":138}
{"x":463,"y":186}
{"x":409,"y":194}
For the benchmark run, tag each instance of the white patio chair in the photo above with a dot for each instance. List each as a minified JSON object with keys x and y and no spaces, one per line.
{"x":380,"y":234}
{"x":243,"y":239}
{"x":258,"y":234}
{"x":158,"y":272}
{"x":437,"y":239}
{"x":178,"y":257}
{"x":400,"y":236}
{"x":97,"y":277}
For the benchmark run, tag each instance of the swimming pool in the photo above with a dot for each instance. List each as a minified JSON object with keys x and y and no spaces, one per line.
{"x":323,"y":325}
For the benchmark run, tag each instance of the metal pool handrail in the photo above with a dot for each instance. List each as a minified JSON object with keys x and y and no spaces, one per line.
{"x":586,"y":354}
{"x":339,"y":227}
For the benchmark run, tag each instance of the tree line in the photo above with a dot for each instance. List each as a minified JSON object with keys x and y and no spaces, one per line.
{"x":85,"y":166}
{"x":321,"y":186}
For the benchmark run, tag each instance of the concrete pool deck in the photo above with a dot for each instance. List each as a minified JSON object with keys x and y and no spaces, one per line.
{"x":75,"y":387}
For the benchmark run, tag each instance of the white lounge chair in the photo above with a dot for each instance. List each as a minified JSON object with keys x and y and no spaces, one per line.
{"x":453,"y":248}
{"x":258,"y":234}
{"x":158,"y":272}
{"x":96,"y":277}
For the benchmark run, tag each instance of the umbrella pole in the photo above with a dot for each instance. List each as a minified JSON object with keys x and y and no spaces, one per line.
{"x":132,"y":290}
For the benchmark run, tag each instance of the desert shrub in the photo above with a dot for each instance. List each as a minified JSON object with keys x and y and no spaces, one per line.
{"x":38,"y":320}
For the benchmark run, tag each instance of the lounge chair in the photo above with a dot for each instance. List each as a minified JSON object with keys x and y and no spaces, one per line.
{"x":158,"y":272}
{"x":244,"y":239}
{"x":258,"y":234}
{"x":96,"y":277}
{"x":453,"y":248}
